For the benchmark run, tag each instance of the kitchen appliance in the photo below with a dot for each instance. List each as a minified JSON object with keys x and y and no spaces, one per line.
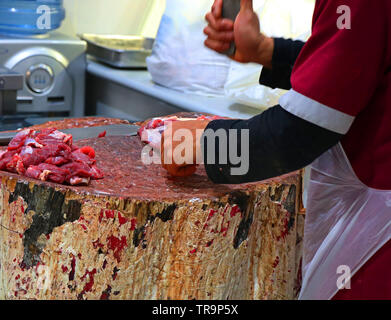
{"x":10,"y":83}
{"x":119,"y":51}
{"x":53,"y":67}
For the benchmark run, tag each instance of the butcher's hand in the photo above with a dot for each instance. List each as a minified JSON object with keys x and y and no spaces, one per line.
{"x":251,"y":44}
{"x":181,"y":147}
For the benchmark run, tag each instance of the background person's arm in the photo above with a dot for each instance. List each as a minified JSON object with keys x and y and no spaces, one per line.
{"x":251,"y":44}
{"x":277,"y":55}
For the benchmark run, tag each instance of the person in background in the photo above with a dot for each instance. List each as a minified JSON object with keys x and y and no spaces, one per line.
{"x":336,"y":117}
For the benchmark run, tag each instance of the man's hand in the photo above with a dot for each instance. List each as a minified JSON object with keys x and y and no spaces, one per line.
{"x":251,"y":44}
{"x":180,"y":146}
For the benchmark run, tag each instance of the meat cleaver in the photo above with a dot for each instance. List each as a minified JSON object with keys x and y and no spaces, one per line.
{"x":85,"y":133}
{"x":231,"y":9}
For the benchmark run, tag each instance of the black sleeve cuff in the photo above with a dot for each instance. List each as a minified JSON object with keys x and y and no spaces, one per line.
{"x":285,"y":54}
{"x":217,"y":172}
{"x":278,"y":77}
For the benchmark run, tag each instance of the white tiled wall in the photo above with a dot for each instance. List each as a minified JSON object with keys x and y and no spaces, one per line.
{"x":113,"y":16}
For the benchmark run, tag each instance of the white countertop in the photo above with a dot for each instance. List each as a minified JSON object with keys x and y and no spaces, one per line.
{"x":141,"y":81}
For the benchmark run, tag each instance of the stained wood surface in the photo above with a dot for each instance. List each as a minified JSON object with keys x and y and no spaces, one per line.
{"x":140,"y":234}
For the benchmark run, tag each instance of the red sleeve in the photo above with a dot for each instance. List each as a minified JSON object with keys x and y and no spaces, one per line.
{"x":338,"y":70}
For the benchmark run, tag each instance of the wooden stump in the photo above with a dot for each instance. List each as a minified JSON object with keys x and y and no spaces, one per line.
{"x":139,"y":234}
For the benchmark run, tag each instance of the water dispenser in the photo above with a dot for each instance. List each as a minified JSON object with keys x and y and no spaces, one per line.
{"x":30,"y":17}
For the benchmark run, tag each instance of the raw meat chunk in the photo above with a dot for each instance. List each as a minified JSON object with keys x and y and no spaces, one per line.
{"x":19,"y":139}
{"x":50,"y":155}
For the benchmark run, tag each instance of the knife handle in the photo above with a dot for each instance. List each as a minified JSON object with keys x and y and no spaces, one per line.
{"x":230,"y":11}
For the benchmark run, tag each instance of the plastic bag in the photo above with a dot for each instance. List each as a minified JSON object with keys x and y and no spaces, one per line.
{"x":243,"y":86}
{"x":346,"y":224}
{"x":180,"y":59}
{"x":278,"y":18}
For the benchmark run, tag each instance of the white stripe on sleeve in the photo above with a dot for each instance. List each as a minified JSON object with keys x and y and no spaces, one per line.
{"x":316,"y":113}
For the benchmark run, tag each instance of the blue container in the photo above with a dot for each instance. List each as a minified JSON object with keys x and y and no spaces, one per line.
{"x":30,"y":17}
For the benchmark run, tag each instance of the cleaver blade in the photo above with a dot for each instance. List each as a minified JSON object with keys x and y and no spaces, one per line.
{"x":85,"y":133}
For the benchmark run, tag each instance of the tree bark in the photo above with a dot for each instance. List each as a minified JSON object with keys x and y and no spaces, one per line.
{"x":139,"y":234}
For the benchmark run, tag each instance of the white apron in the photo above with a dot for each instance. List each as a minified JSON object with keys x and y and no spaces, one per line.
{"x":346,"y":223}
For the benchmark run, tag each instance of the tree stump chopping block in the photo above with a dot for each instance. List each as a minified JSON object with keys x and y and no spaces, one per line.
{"x":141,"y":234}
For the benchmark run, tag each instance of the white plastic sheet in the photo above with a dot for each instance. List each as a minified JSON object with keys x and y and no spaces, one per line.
{"x":180,"y":60}
{"x":346,"y":224}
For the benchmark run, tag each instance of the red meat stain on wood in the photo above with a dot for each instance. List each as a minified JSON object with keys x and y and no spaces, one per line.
{"x":211,"y":214}
{"x":72,"y":273}
{"x":276,"y":262}
{"x":285,"y":230}
{"x":234,"y":211}
{"x":122,"y":220}
{"x":101,"y":216}
{"x":209,"y":243}
{"x":224,"y":230}
{"x":115,"y":273}
{"x":88,"y":286}
{"x":106,"y":294}
{"x":133,"y":224}
{"x":193,"y":251}
{"x":97,"y":244}
{"x":117,"y":245}
{"x":109,"y":214}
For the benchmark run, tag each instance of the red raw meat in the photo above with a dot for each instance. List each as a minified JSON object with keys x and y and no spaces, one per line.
{"x":32,"y":143}
{"x":96,"y":173}
{"x":57,"y":161}
{"x":53,"y":173}
{"x":49,"y":155}
{"x":15,"y":163}
{"x":79,"y":156}
{"x":6,"y":158}
{"x":19,"y":139}
{"x":102,"y":134}
{"x":77,"y":169}
{"x":33,"y":172}
{"x":88,"y":151}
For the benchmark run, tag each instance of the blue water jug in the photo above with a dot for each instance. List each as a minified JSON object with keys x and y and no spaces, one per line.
{"x":30,"y":17}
